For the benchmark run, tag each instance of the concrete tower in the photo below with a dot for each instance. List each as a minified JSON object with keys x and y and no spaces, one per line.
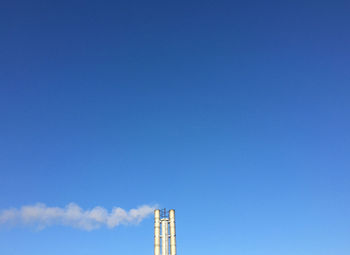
{"x":164,"y":220}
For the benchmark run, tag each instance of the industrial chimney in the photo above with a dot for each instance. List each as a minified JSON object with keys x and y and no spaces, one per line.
{"x":164,"y":220}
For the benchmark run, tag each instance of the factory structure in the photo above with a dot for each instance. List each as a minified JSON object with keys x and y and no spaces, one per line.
{"x":164,"y":230}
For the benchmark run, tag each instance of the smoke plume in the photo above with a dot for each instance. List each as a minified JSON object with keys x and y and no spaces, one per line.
{"x":72,"y":215}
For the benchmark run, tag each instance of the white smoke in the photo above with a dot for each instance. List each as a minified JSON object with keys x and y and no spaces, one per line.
{"x":72,"y":215}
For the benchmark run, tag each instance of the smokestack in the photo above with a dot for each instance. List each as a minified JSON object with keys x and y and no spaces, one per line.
{"x":167,"y":220}
{"x":165,"y":236}
{"x":172,"y":232}
{"x":156,"y":232}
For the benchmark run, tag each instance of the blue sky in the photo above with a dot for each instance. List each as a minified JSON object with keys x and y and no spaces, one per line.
{"x":234,"y":113}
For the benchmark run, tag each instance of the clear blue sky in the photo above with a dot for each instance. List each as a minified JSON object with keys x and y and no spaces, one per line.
{"x":235,"y":113}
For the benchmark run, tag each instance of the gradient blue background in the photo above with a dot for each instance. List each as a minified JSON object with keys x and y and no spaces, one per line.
{"x":235,"y":113}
